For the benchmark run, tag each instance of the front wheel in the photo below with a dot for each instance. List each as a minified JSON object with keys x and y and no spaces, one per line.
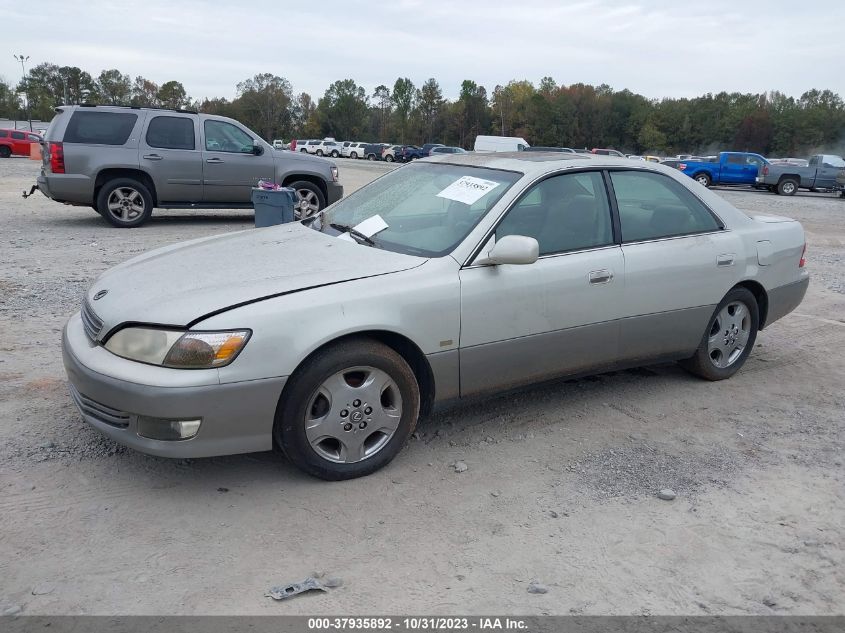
{"x":353,"y":155}
{"x":348,"y":410}
{"x":703,"y":179}
{"x":729,"y":337}
{"x":125,"y":203}
{"x":335,"y":153}
{"x":309,"y":199}
{"x":371,"y":157}
{"x":388,"y":158}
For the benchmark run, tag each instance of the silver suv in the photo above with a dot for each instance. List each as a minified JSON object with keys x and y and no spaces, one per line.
{"x":125,"y":161}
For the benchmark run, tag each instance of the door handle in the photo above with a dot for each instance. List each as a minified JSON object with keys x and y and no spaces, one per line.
{"x":214,"y":161}
{"x":603,"y":276}
{"x":153,"y":157}
{"x":726,"y":259}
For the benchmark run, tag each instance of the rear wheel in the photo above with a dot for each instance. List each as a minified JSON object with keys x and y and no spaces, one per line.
{"x":703,"y":179}
{"x":335,"y":153}
{"x":309,"y":199}
{"x":389,"y":158}
{"x":371,"y":156}
{"x":319,"y":152}
{"x":353,"y":155}
{"x":125,"y":203}
{"x":787,"y":187}
{"x":348,"y":410}
{"x":5,"y":152}
{"x":729,"y":337}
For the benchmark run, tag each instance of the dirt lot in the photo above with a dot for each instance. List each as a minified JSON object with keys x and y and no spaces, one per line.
{"x":560,"y":485}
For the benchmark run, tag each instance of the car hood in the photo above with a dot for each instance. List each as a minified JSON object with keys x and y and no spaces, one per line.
{"x":180,"y":284}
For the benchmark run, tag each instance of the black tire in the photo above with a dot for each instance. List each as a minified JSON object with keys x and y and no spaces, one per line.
{"x":289,"y":427}
{"x":335,"y":153}
{"x":772,"y":188}
{"x":787,"y":187}
{"x":5,"y":152}
{"x":389,"y":158}
{"x":354,"y":155}
{"x":127,"y":185}
{"x":319,"y":152}
{"x":371,"y":156}
{"x":304,"y":151}
{"x":316,"y":198}
{"x":703,"y":179}
{"x":701,"y":363}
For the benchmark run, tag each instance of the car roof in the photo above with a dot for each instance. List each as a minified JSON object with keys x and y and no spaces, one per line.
{"x":536,"y":162}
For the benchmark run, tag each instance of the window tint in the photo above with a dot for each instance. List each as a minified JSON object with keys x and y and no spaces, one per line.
{"x":170,"y":132}
{"x":653,"y":205}
{"x":735,"y":159}
{"x":18,"y":136}
{"x":563,"y":213}
{"x":833,"y":161}
{"x":4,"y":134}
{"x":100,"y":128}
{"x":225,"y":137}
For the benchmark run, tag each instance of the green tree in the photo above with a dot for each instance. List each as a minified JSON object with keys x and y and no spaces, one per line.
{"x":265,"y":104}
{"x":429,"y":104}
{"x":172,"y":95}
{"x":403,"y":101}
{"x":145,"y":93}
{"x":384,"y":104}
{"x":342,"y":112}
{"x":114,"y":87}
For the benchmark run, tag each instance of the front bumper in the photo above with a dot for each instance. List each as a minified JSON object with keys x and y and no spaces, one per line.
{"x":334,"y":192}
{"x":236,"y":417}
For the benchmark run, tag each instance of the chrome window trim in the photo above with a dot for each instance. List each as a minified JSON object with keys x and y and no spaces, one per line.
{"x":556,"y":254}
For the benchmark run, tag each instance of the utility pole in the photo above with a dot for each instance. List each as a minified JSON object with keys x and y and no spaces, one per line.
{"x":21,"y":58}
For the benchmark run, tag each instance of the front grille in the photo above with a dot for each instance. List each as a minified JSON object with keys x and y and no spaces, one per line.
{"x":100,"y":412}
{"x":90,"y":321}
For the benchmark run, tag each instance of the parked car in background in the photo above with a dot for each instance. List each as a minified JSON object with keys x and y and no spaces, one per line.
{"x":445,"y":149}
{"x":635,"y":157}
{"x":325,"y":148}
{"x":607,"y":152}
{"x":308,"y":147}
{"x":388,"y":153}
{"x":125,"y":161}
{"x":822,"y":172}
{"x":536,"y":270}
{"x":652,"y":159}
{"x":500,"y":144}
{"x":840,"y":183}
{"x":407,"y":153}
{"x":426,"y":148}
{"x":542,"y":148}
{"x":373,"y":151}
{"x":353,"y":150}
{"x":729,"y":168}
{"x":280,"y":144}
{"x":17,"y":142}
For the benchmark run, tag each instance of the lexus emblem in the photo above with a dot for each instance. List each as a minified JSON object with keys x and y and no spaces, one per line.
{"x":100,"y":294}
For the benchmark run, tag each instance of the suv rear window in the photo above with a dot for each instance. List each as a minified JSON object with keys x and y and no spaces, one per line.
{"x":171,"y":132}
{"x":100,"y":128}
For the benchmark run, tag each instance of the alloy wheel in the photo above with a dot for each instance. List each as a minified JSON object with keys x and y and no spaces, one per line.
{"x":729,"y":334}
{"x":126,"y":204}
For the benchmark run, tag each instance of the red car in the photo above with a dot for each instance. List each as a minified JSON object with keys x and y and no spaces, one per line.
{"x":16,"y":142}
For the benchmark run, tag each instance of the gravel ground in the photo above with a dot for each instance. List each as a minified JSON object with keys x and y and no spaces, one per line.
{"x":560,"y":485}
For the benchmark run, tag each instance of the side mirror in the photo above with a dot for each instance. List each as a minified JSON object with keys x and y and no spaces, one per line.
{"x":511,"y":249}
{"x":257,"y":147}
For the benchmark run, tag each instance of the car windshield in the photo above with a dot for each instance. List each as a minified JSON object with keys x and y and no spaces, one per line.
{"x":429,"y":208}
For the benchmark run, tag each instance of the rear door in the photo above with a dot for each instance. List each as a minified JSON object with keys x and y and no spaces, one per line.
{"x":20,"y":145}
{"x":735,"y":170}
{"x":171,"y":155}
{"x":230,"y":169}
{"x":679,"y":263}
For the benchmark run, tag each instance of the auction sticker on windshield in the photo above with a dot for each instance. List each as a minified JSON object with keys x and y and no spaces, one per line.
{"x":467,"y":189}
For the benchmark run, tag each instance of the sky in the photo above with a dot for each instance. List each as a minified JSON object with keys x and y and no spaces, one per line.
{"x":658,"y":48}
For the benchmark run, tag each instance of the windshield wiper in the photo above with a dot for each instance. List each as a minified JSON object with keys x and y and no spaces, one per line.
{"x":354,"y":233}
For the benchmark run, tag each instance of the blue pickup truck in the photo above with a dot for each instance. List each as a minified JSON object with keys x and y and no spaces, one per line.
{"x":729,"y":168}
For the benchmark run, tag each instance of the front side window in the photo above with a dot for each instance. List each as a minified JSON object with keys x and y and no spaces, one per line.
{"x":736,"y":159}
{"x":652,"y":206}
{"x":429,"y":208}
{"x":4,"y":134}
{"x":563,"y":213}
{"x":100,"y":128}
{"x":170,"y":132}
{"x":225,"y":137}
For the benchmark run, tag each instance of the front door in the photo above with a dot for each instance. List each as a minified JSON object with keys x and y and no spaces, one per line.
{"x":230,"y":167}
{"x":169,"y":154}
{"x":559,"y":315}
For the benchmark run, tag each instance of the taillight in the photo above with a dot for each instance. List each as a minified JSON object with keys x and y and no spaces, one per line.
{"x":57,"y":158}
{"x":765,"y":170}
{"x":682,"y":166}
{"x":802,"y":262}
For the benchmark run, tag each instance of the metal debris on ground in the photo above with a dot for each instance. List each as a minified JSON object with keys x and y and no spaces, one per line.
{"x":283,"y":592}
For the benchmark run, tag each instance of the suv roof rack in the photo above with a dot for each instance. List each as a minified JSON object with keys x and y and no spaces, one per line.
{"x":131,"y":107}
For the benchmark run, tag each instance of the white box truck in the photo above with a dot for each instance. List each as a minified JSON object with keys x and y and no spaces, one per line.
{"x":500,"y":144}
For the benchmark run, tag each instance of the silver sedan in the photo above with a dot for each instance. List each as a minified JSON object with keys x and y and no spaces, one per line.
{"x":447,"y":278}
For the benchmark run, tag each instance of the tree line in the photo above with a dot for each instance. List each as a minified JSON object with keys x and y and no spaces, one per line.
{"x":578,"y":115}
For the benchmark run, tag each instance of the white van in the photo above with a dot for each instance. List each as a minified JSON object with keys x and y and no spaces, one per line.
{"x":500,"y":144}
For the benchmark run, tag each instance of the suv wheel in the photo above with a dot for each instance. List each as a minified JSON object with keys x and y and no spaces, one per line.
{"x":335,"y":153}
{"x":5,"y":152}
{"x":125,"y":203}
{"x":309,"y":199}
{"x":319,"y":152}
{"x":353,"y":155}
{"x":371,"y":156}
{"x":388,"y":158}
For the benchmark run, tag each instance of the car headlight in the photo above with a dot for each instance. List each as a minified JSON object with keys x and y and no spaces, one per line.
{"x":178,"y":348}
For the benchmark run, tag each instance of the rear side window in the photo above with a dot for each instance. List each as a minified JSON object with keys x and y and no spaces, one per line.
{"x":100,"y":128}
{"x":19,"y":136}
{"x":4,"y":134}
{"x":171,"y":132}
{"x":652,"y":206}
